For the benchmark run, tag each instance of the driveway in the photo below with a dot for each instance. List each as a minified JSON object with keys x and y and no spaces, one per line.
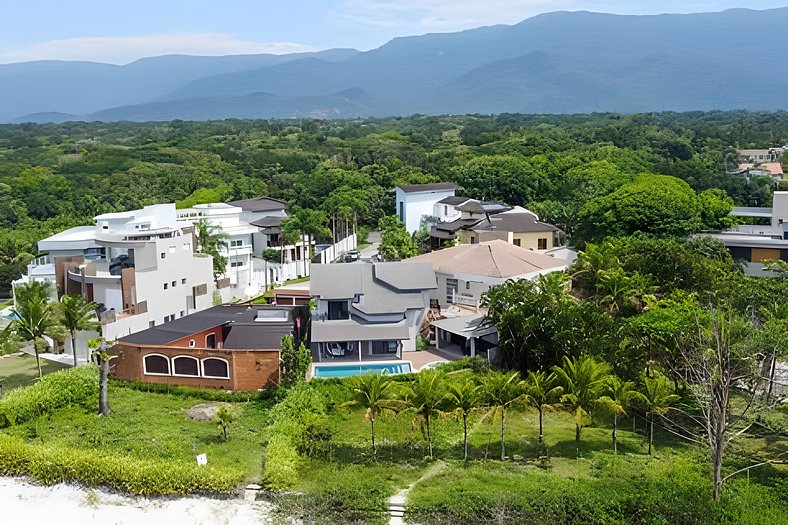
{"x":371,"y":250}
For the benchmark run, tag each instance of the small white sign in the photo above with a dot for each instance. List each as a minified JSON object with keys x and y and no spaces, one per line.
{"x":202,"y":459}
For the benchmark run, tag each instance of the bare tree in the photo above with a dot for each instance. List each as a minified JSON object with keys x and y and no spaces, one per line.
{"x":717,"y":364}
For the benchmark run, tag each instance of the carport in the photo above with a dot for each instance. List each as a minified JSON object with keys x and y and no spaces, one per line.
{"x":470,"y":335}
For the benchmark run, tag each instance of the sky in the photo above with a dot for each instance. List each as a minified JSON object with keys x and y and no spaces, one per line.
{"x":120,"y":31}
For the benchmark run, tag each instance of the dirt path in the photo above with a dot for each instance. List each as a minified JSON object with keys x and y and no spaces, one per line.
{"x":397,"y":501}
{"x":24,"y":502}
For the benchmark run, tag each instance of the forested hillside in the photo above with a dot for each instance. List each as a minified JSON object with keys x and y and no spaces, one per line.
{"x":564,"y":167}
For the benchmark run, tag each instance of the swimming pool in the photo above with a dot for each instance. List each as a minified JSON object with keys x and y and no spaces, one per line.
{"x":345,"y":370}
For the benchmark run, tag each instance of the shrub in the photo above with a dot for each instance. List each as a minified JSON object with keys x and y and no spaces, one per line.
{"x":207,"y":394}
{"x":71,"y":387}
{"x":281,"y":463}
{"x":477,"y":364}
{"x":145,"y":477}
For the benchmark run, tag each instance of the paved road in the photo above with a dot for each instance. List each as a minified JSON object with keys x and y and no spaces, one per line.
{"x":372,"y":249}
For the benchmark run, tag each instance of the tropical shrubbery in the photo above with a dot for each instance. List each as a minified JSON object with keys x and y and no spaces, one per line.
{"x":72,"y":387}
{"x":207,"y":394}
{"x":92,"y":468}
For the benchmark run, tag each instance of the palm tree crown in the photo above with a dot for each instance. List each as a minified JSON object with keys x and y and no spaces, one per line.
{"x":582,"y":380}
{"x":77,"y":314}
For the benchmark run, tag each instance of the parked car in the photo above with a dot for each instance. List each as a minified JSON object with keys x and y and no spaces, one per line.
{"x":351,"y":256}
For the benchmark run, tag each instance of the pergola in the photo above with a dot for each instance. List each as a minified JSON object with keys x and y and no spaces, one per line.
{"x":472,"y":328}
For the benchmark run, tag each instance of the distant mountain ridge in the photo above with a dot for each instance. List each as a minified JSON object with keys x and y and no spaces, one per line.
{"x":562,"y":62}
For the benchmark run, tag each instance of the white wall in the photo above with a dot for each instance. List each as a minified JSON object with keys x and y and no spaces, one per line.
{"x":417,"y":205}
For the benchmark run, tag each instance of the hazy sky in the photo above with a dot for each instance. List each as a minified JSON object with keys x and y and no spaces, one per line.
{"x":119,"y":31}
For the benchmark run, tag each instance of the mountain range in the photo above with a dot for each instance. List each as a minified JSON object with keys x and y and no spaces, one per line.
{"x":562,"y":62}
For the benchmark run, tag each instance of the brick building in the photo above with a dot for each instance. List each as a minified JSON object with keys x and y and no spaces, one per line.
{"x":228,"y":347}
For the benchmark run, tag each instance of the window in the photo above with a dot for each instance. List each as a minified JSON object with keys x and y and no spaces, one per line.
{"x":384,"y":347}
{"x":467,"y":285}
{"x":235,"y":243}
{"x":210,"y":341}
{"x":451,"y":289}
{"x":338,"y":310}
{"x":236,"y":264}
{"x":183,"y":281}
{"x":516,"y":242}
{"x":151,"y":324}
{"x":165,"y":286}
{"x":215,"y":367}
{"x":185,"y":365}
{"x":541,"y":244}
{"x":174,"y":283}
{"x":445,"y":210}
{"x":156,"y":364}
{"x":473,"y":240}
{"x":163,"y":255}
{"x":172,"y":249}
{"x":402,"y":211}
{"x":192,"y":343}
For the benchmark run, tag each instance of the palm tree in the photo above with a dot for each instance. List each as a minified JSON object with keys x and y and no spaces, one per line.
{"x":502,"y":390}
{"x":657,"y":397}
{"x":371,"y":392}
{"x":34,"y":316}
{"x":582,"y":379}
{"x":541,"y":391}
{"x":211,"y":240}
{"x":427,"y":397}
{"x":77,"y":314}
{"x":617,"y":397}
{"x":464,"y":397}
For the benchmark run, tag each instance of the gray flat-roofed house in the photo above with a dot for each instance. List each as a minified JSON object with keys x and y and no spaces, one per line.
{"x":368,"y":311}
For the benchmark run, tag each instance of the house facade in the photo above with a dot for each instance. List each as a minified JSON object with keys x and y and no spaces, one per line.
{"x":756,"y":243}
{"x":367,"y":311}
{"x":226,"y":347}
{"x":465,"y":272}
{"x":139,"y":266}
{"x":416,"y":201}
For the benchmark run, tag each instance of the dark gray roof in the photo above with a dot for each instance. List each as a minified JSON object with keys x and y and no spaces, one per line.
{"x":514,"y":222}
{"x":453,"y":201}
{"x":260,"y":204}
{"x":255,"y":333}
{"x":268,"y":222}
{"x":474,"y":206}
{"x":455,"y":225}
{"x":435,"y":186}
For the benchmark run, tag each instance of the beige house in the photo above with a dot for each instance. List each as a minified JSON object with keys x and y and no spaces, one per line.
{"x":466,"y":271}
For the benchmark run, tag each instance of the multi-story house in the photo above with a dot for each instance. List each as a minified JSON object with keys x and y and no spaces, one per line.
{"x":368,"y":311}
{"x":756,"y":243}
{"x":139,"y":266}
{"x":418,"y":201}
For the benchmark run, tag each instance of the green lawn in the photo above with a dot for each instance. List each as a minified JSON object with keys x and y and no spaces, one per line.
{"x":154,"y":426}
{"x":21,"y":370}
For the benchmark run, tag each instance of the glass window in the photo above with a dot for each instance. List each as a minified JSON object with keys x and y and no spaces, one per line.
{"x":338,"y":310}
{"x":165,"y":286}
{"x":516,"y":242}
{"x":186,"y":366}
{"x":215,"y":367}
{"x":210,"y":341}
{"x":541,"y":244}
{"x":156,"y":364}
{"x":452,"y":285}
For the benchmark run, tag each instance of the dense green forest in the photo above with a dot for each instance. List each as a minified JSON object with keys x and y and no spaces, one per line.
{"x":55,"y":176}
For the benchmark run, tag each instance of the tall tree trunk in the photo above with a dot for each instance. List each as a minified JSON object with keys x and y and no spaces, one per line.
{"x":104,"y":408}
{"x":615,"y":436}
{"x":503,"y":443}
{"x":578,"y":424}
{"x":465,"y":434}
{"x":38,"y":359}
{"x":74,"y":346}
{"x":374,"y":450}
{"x":541,"y":436}
{"x":717,"y":463}
{"x":650,"y":431}
{"x":429,"y":435}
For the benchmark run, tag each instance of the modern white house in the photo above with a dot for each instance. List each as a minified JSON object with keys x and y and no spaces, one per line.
{"x":368,"y":311}
{"x":416,"y":201}
{"x":755,"y":243}
{"x":139,"y":266}
{"x":466,"y":271}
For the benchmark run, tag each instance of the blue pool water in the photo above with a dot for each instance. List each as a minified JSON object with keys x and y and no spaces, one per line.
{"x":354,"y":370}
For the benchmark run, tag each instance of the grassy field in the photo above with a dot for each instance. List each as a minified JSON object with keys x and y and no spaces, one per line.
{"x":21,"y":370}
{"x":154,"y":426}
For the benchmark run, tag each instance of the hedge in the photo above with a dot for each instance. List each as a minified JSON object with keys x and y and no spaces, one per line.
{"x":72,"y":387}
{"x":91,"y":468}
{"x":207,"y":394}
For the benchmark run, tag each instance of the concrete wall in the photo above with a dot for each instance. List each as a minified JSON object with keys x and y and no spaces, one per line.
{"x":417,"y":205}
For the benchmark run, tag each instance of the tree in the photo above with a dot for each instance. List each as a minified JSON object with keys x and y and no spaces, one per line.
{"x":294,"y":361}
{"x":502,"y":390}
{"x":426,"y":396}
{"x":224,"y":417}
{"x":374,"y":393}
{"x":395,"y":241}
{"x":211,"y":240}
{"x":305,"y":224}
{"x":77,"y":314}
{"x":582,"y":378}
{"x":618,"y":395}
{"x":103,"y":359}
{"x":656,"y":397}
{"x":34,"y":315}
{"x":464,"y":397}
{"x":541,"y":391}
{"x":270,"y":255}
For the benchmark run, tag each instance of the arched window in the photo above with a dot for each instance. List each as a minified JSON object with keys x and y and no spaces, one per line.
{"x":156,"y":364}
{"x":215,"y":367}
{"x":185,"y":365}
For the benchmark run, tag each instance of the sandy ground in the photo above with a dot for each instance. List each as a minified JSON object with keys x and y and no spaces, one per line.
{"x":22,"y":501}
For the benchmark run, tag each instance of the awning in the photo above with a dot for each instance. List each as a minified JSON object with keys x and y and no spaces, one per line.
{"x":466,"y":326}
